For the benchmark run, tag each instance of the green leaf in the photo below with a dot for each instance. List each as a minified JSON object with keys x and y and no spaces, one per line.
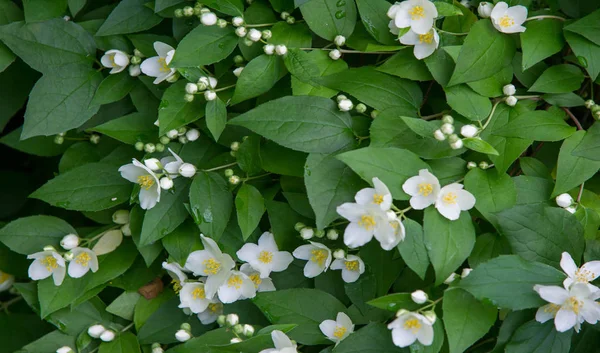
{"x":589,"y":147}
{"x":587,"y":52}
{"x":113,"y":88}
{"x":468,"y":103}
{"x":532,"y":190}
{"x":258,"y":77}
{"x":404,"y":65}
{"x":448,"y":243}
{"x":460,"y":24}
{"x":478,"y":145}
{"x":587,"y":27}
{"x":131,"y":128}
{"x":436,"y":345}
{"x":372,"y":338}
{"x":541,"y":40}
{"x":41,"y":10}
{"x":421,"y":127}
{"x":297,"y":35}
{"x":126,"y":342}
{"x":494,"y":192}
{"x":538,"y":125}
{"x":320,"y":60}
{"x":492,"y":86}
{"x":447,"y":10}
{"x":250,"y":207}
{"x":466,"y":319}
{"x":182,"y":241}
{"x":373,"y":14}
{"x":413,"y":249}
{"x":248,"y":155}
{"x":541,"y":233}
{"x":216,"y":117}
{"x":534,"y":167}
{"x":40,"y":145}
{"x":377,"y":89}
{"x":329,"y":183}
{"x":304,"y":307}
{"x":124,"y":305}
{"x":204,"y":45}
{"x":507,"y":281}
{"x":228,"y":7}
{"x":29,"y":235}
{"x":211,"y":203}
{"x":167,"y":215}
{"x":174,"y":112}
{"x":571,"y":170}
{"x":371,"y":162}
{"x":394,"y":302}
{"x":91,"y":187}
{"x":129,"y":16}
{"x":569,"y":99}
{"x":559,"y":79}
{"x":302,"y":66}
{"x":534,"y":337}
{"x":485,"y":52}
{"x":487,"y":247}
{"x":307,"y":124}
{"x":280,"y":160}
{"x":329,"y":18}
{"x":590,"y":221}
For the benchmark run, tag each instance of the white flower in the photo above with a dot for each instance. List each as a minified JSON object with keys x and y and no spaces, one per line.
{"x":260,"y":284}
{"x":439,"y":135}
{"x":237,"y":72}
{"x":6,"y":281}
{"x":269,"y":49}
{"x":281,"y":49}
{"x":423,"y":189}
{"x":584,"y":274}
{"x":65,"y":349}
{"x":193,"y":296}
{"x":166,"y":183}
{"x":84,"y":260}
{"x":265,"y":257}
{"x":393,"y":10}
{"x":282,"y":343}
{"x":452,"y":199}
{"x":158,"y":66}
{"x":47,"y":263}
{"x":352,"y":267}
{"x":366,"y":221}
{"x":564,"y":200}
{"x":509,"y":90}
{"x":254,"y":35}
{"x":115,"y":60}
{"x":335,"y":54}
{"x":107,"y":336}
{"x":345,"y":105}
{"x":187,"y":170}
{"x":172,"y":164}
{"x":569,"y":308}
{"x":69,"y":241}
{"x":469,"y":130}
{"x":409,"y":327}
{"x":416,"y":14}
{"x":182,"y":335}
{"x":237,"y":21}
{"x":210,"y":262}
{"x":236,"y":286}
{"x":509,"y":19}
{"x":339,"y":40}
{"x":379,"y":195}
{"x":419,"y":296}
{"x":175,"y":271}
{"x":339,"y":329}
{"x":95,"y":331}
{"x":138,"y":173}
{"x":318,"y":256}
{"x":425,"y":44}
{"x":208,"y":19}
{"x":211,"y":313}
{"x":485,"y":9}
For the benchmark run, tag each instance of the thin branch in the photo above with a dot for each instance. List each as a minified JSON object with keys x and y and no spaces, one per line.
{"x":575,"y":120}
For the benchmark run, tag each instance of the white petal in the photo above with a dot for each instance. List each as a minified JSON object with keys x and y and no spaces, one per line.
{"x":393,"y":29}
{"x":266,"y":285}
{"x":567,"y":264}
{"x":402,"y":19}
{"x":355,"y":235}
{"x":131,"y":172}
{"x":403,"y":338}
{"x":565,"y":320}
{"x":249,"y":252}
{"x":499,"y":10}
{"x":544,"y":314}
{"x":344,"y":320}
{"x":328,"y":327}
{"x":248,"y":290}
{"x":422,"y":25}
{"x":214,"y":282}
{"x":281,"y":261}
{"x":210,"y":245}
{"x":58,"y":275}
{"x":518,"y":13}
{"x":365,"y":196}
{"x":228,"y":294}
{"x":338,"y":264}
{"x":106,"y":62}
{"x":351,"y":211}
{"x":593,"y":268}
{"x":151,"y":67}
{"x":553,"y":294}
{"x":37,"y":271}
{"x":267,"y":242}
{"x":312,"y":269}
{"x":513,"y":29}
{"x":149,"y":198}
{"x":465,"y":200}
{"x":350,"y":276}
{"x":452,"y":212}
{"x":303,"y":252}
{"x":411,"y":38}
{"x":423,"y":50}
{"x":280,"y":340}
{"x":76,"y":270}
{"x":162,"y":49}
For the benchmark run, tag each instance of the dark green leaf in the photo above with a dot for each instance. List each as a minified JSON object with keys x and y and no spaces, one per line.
{"x":211,"y":203}
{"x":113,"y":88}
{"x":374,"y":18}
{"x":589,"y":147}
{"x":541,"y":40}
{"x":132,"y":128}
{"x":468,"y":103}
{"x":558,"y":79}
{"x":329,"y":18}
{"x":572,"y":170}
{"x":258,"y":77}
{"x":413,"y":249}
{"x":487,"y":247}
{"x":250,"y":206}
{"x":129,"y":16}
{"x":229,"y":7}
{"x":494,"y":192}
{"x":29,"y":235}
{"x":404,"y":64}
{"x":534,"y":337}
{"x":204,"y":45}
{"x":216,"y":117}
{"x":174,"y":112}
{"x":537,"y":125}
{"x":125,"y":342}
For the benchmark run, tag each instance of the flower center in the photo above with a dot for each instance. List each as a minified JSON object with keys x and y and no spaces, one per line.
{"x":83,"y":259}
{"x":450,"y":198}
{"x":256,"y":279}
{"x":215,"y":307}
{"x":339,"y":332}
{"x":367,"y":222}
{"x":198,"y":293}
{"x":4,"y":277}
{"x":211,"y":266}
{"x":49,"y":262}
{"x":413,"y":325}
{"x":378,"y":199}
{"x":234,"y":281}
{"x":426,"y":38}
{"x":425,"y":189}
{"x":574,"y":304}
{"x":584,"y":276}
{"x":351,"y":265}
{"x":111,"y":57}
{"x":265,"y":257}
{"x":506,"y":21}
{"x":417,"y":12}
{"x":319,"y":256}
{"x":552,"y":308}
{"x":163,"y":65}
{"x":176,"y":286}
{"x":145,"y":181}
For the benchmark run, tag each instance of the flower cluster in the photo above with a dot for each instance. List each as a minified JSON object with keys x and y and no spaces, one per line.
{"x":418,"y":16}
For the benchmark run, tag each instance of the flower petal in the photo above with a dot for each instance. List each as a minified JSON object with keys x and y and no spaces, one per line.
{"x":568,"y":264}
{"x":403,"y":338}
{"x":356,"y":235}
{"x":553,"y":294}
{"x":328,"y":328}
{"x":565,"y":320}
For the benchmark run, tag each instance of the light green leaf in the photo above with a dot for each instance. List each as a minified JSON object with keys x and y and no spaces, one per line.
{"x":129,"y":16}
{"x":204,"y":45}
{"x":558,"y":79}
{"x":125,"y":342}
{"x":302,"y":66}
{"x":421,"y":127}
{"x":537,"y":125}
{"x":211,"y":203}
{"x":487,"y":247}
{"x":447,"y":10}
{"x":373,"y":14}
{"x":404,"y":65}
{"x":29,"y":235}
{"x":587,"y":27}
{"x":534,"y":337}
{"x":216,"y":117}
{"x":258,"y":77}
{"x":174,"y":112}
{"x":494,"y":192}
{"x":250,"y":207}
{"x":304,"y":123}
{"x":329,"y":18}
{"x":413,"y":249}
{"x":572,"y":170}
{"x":542,"y":39}
{"x":124,"y":305}
{"x":113,"y":88}
{"x":587,"y":52}
{"x":297,"y":35}
{"x":478,"y":145}
{"x":534,"y":167}
{"x":468,"y":103}
{"x":394,"y":302}
{"x":131,"y":128}
{"x":589,"y":147}
{"x":569,"y":99}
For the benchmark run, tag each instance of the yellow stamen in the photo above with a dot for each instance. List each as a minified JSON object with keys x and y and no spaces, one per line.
{"x":163,"y":65}
{"x":176,"y":286}
{"x":49,"y":262}
{"x":111,"y":57}
{"x":367,"y":222}
{"x":506,"y":21}
{"x":212,"y":266}
{"x":256,"y":279}
{"x":234,"y":281}
{"x":339,"y":332}
{"x":4,"y":277}
{"x":351,"y":265}
{"x":584,"y":276}
{"x":412,"y":324}
{"x":83,"y":259}
{"x":450,"y":198}
{"x":552,"y":308}
{"x":319,"y":256}
{"x":215,"y":307}
{"x":426,"y":38}
{"x":378,"y":199}
{"x":425,"y":189}
{"x":145,"y":181}
{"x":417,"y":12}
{"x":265,"y":257}
{"x":574,"y":304}
{"x":198,"y":293}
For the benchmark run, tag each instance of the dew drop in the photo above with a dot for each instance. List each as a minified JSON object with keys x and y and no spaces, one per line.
{"x":207,"y":216}
{"x":340,"y":14}
{"x":163,"y":104}
{"x":340,"y":3}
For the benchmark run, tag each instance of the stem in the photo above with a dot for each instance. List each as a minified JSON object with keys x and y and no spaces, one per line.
{"x":527,"y":97}
{"x":580,"y":193}
{"x":432,"y":304}
{"x":491,"y":115}
{"x":451,"y":33}
{"x":220,"y":167}
{"x":348,"y":51}
{"x":127,"y":327}
{"x":546,"y":16}
{"x":433,"y":116}
{"x":338,"y":223}
{"x":224,"y":88}
{"x":4,"y":306}
{"x":257,"y":177}
{"x":575,"y":120}
{"x":260,"y":25}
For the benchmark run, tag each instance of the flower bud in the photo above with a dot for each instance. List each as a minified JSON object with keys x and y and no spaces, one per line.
{"x":466,"y":3}
{"x":237,"y":72}
{"x":374,"y":114}
{"x":285,"y":15}
{"x":188,"y":11}
{"x":95,"y":331}
{"x":126,"y":230}
{"x":339,"y":40}
{"x":153,"y":164}
{"x":182,"y":335}
{"x":589,"y":103}
{"x":340,"y":97}
{"x":511,"y":101}
{"x":339,"y":254}
{"x":471,"y":165}
{"x":307,"y":233}
{"x":564,"y":200}
{"x":234,"y":180}
{"x":188,"y":97}
{"x":484,"y":165}
{"x":290,"y":20}
{"x":158,"y":350}
{"x":281,"y":49}
{"x":447,"y":119}
{"x":447,"y":129}
{"x":319,"y":233}
{"x":183,"y":140}
{"x":465,"y":272}
{"x":248,"y":42}
{"x":228,"y":172}
{"x":361,"y":108}
{"x":208,"y":19}
{"x":509,"y":90}
{"x":181,"y":131}
{"x":134,"y":70}
{"x":248,"y":330}
{"x":456,"y":145}
{"x":95,"y":139}
{"x":332,"y":234}
{"x":107,"y":336}
{"x":69,"y":241}
{"x":135,"y":60}
{"x":439,"y":135}
{"x":192,"y":134}
{"x":469,"y":130}
{"x":267,"y":34}
{"x":178,"y":13}
{"x":238,"y":329}
{"x":166,"y":183}
{"x":391,"y":215}
{"x":232,"y":320}
{"x":139,"y":146}
{"x":173,"y":78}
{"x":221,"y":320}
{"x":453,"y":138}
{"x":221,"y":23}
{"x":269,"y":49}
{"x":149,"y":147}
{"x":571,"y":209}
{"x":431,"y":316}
{"x":59,"y":140}
{"x":241,"y":32}
{"x":298,"y":226}
{"x":235,"y":340}
{"x":419,"y":296}
{"x":191,"y":88}
{"x":451,"y":278}
{"x":187,"y":170}
{"x":485,"y":9}
{"x":49,"y":248}
{"x":335,"y":54}
{"x":237,"y":21}
{"x":172,"y":134}
{"x":210,"y":95}
{"x":65,"y":349}
{"x":254,"y":35}
{"x":401,"y":312}
{"x":345,"y":105}
{"x":238,"y":59}
{"x":120,"y":217}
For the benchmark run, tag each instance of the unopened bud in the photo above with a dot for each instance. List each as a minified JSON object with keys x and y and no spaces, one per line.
{"x":183,"y":335}
{"x":209,"y":19}
{"x":589,"y":103}
{"x":281,"y":49}
{"x":509,"y":90}
{"x":361,"y":108}
{"x":465,"y":272}
{"x":285,"y":15}
{"x":134,"y":70}
{"x":65,"y":349}
{"x":238,"y":59}
{"x":149,"y":147}
{"x":419,"y":296}
{"x":339,"y":40}
{"x":471,"y":165}
{"x":451,"y":278}
{"x":339,"y":254}
{"x":307,"y":233}
{"x":95,"y":138}
{"x":447,"y":129}
{"x":182,"y":140}
{"x":178,"y":13}
{"x":120,"y":217}
{"x":254,"y":35}
{"x":221,"y":23}
{"x":485,"y":9}
{"x":571,"y":209}
{"x":166,"y":183}
{"x":238,"y":71}
{"x":237,"y":21}
{"x":335,"y":54}
{"x":267,"y":34}
{"x":374,"y":114}
{"x":192,"y":134}
{"x":511,"y":101}
{"x":59,"y":140}
{"x":228,"y":172}
{"x":187,"y":170}
{"x":232,"y":320}
{"x":69,"y":241}
{"x":439,"y":135}
{"x":332,"y":234}
{"x":172,"y":134}
{"x":126,"y":230}
{"x":290,"y":20}
{"x":469,"y":130}
{"x":298,"y":226}
{"x":453,"y":138}
{"x":107,"y":336}
{"x":248,"y":330}
{"x":345,"y":105}
{"x":238,"y":329}
{"x":95,"y":331}
{"x":188,"y":11}
{"x":153,"y":164}
{"x":235,"y":340}
{"x":319,"y":233}
{"x":191,"y":87}
{"x":248,"y":42}
{"x":210,"y":95}
{"x":139,"y":146}
{"x":448,"y":119}
{"x":221,"y":320}
{"x":431,"y":316}
{"x":564,"y":200}
{"x":164,"y":140}
{"x":484,"y":165}
{"x":269,"y":49}
{"x":457,"y":145}
{"x":234,"y":180}
{"x":241,"y":32}
{"x":174,"y":78}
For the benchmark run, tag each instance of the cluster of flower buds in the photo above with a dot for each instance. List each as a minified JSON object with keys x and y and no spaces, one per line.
{"x":509,"y":91}
{"x":205,"y":84}
{"x":101,"y":332}
{"x":157,"y":348}
{"x":344,"y":104}
{"x":595,"y":109}
{"x":184,"y":333}
{"x":446,"y":131}
{"x":308,"y":233}
{"x":483,"y":165}
{"x":231,"y":177}
{"x":205,"y":15}
{"x":566,"y":201}
{"x":150,"y":147}
{"x":240,"y":330}
{"x":288,"y":18}
{"x":279,"y":49}
{"x":454,"y":276}
{"x":121,"y":217}
{"x":183,"y":135}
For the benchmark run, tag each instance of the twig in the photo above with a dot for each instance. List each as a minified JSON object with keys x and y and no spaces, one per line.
{"x":579,"y":127}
